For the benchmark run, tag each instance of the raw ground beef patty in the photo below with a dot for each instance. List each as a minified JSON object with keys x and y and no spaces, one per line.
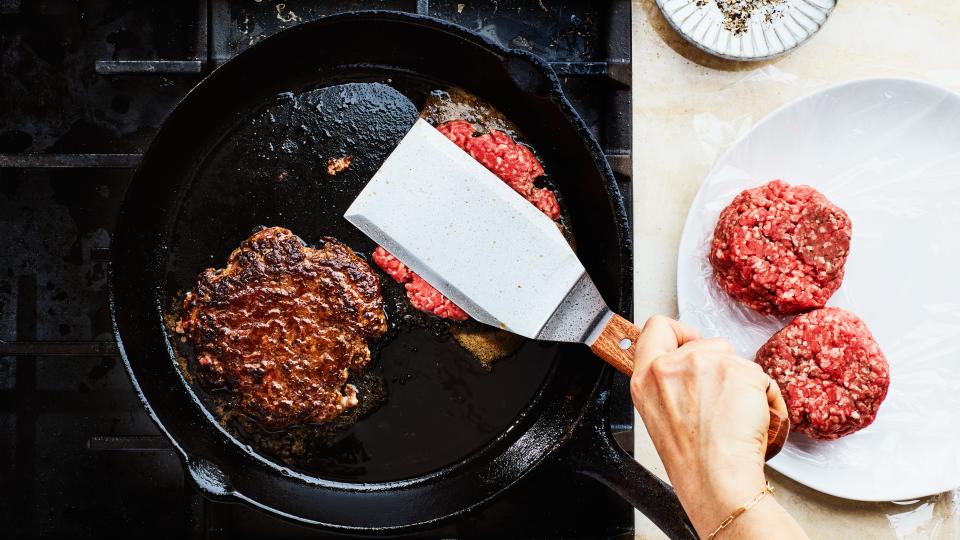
{"x":781,"y":249}
{"x":513,"y":163}
{"x":831,"y":371}
{"x":420,"y":293}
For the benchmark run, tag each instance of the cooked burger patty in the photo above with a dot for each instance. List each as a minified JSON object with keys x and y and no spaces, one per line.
{"x":831,"y":371}
{"x":781,"y":249}
{"x":513,"y":163}
{"x":283,"y":325}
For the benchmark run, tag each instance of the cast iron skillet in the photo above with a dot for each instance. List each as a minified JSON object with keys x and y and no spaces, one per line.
{"x":189,"y":204}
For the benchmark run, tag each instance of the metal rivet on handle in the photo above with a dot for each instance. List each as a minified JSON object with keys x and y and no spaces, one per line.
{"x":625,"y":343}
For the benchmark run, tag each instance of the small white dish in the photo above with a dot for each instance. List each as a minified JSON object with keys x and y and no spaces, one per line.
{"x":773,"y":28}
{"x":888,"y":152}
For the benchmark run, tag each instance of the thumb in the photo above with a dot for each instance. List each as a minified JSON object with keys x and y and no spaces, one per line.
{"x":660,"y":335}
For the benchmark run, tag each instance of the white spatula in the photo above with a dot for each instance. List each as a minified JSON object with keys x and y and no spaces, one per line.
{"x":485,"y":247}
{"x":482,"y":245}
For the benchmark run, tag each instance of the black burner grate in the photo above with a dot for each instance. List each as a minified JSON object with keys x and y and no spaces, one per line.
{"x":83,"y":88}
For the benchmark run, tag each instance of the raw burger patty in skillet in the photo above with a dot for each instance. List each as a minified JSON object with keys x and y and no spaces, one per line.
{"x":513,"y":163}
{"x":831,"y":371}
{"x":781,"y":249}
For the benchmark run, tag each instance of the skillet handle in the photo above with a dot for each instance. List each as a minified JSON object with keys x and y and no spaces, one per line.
{"x":617,"y":345}
{"x":593,"y":452}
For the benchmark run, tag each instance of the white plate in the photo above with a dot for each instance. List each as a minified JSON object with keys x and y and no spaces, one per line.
{"x":888,"y":152}
{"x":774,"y":29}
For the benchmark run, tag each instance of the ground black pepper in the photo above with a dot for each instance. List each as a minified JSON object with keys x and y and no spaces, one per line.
{"x":737,"y":13}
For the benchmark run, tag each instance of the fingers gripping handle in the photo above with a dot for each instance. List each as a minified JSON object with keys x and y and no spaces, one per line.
{"x":617,"y":345}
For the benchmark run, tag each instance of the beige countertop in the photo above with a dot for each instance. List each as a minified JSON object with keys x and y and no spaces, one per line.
{"x":689,"y":106}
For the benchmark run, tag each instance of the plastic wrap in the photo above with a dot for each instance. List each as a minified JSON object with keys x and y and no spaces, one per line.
{"x":888,"y":152}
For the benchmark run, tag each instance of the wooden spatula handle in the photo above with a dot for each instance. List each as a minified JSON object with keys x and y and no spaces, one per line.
{"x":617,"y":345}
{"x":777,"y":432}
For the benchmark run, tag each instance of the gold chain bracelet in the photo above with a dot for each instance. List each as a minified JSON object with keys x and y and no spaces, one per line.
{"x":746,"y":506}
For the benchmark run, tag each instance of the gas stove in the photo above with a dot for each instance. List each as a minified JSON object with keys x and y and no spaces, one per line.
{"x":85,"y":86}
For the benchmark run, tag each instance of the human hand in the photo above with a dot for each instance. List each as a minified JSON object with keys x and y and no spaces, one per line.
{"x":707,"y":412}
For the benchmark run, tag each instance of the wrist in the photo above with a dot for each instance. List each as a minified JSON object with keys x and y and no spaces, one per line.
{"x":753,"y":523}
{"x":710,"y":495}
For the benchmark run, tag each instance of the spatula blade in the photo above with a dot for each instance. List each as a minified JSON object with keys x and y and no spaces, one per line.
{"x":476,"y":240}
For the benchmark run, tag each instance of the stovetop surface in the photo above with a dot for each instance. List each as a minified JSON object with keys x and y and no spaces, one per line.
{"x":84,"y":86}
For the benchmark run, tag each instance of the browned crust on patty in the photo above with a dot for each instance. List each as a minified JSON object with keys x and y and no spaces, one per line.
{"x":283,"y":325}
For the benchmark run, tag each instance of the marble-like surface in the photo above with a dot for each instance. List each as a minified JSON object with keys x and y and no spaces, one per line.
{"x":689,"y":106}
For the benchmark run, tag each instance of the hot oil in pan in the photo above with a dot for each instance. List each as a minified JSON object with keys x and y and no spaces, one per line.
{"x":425,"y":401}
